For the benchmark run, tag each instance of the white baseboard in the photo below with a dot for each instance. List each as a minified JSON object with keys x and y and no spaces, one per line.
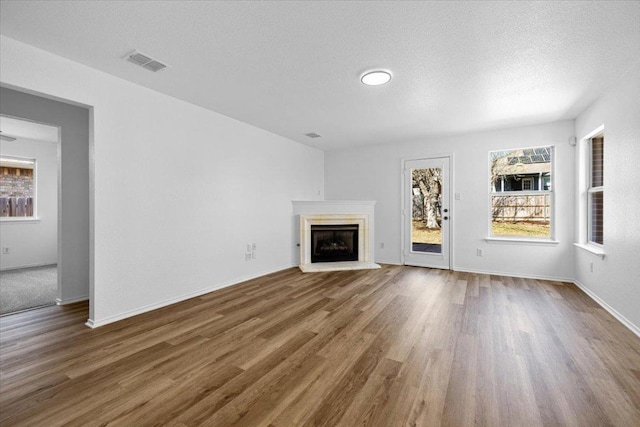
{"x":94,"y":323}
{"x":507,"y":274}
{"x":46,"y":264}
{"x":496,"y":273}
{"x":628,"y":324}
{"x":381,"y":261}
{"x":633,"y":328}
{"x":114,"y":318}
{"x":66,"y":301}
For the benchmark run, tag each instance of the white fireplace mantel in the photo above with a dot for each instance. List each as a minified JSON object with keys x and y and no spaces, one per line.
{"x":336,"y":212}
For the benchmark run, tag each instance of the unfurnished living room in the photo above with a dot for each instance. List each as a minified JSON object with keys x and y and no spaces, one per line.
{"x":327,"y":213}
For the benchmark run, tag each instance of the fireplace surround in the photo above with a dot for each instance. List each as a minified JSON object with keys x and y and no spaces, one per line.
{"x":338,"y":216}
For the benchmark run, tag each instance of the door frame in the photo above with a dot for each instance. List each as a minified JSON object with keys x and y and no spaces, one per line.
{"x":403,"y":199}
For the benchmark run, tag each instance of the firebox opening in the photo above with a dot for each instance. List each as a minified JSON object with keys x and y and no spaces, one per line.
{"x":331,"y":243}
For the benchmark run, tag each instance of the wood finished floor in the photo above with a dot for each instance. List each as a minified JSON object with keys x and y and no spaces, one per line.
{"x":391,"y":347}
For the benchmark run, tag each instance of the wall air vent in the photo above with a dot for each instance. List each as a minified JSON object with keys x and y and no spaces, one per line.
{"x":145,"y":61}
{"x":312,"y":135}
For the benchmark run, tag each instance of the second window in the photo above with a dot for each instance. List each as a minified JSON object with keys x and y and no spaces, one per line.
{"x":521,"y":193}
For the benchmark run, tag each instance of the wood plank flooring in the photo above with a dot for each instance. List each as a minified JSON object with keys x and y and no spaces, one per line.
{"x":399,"y":346}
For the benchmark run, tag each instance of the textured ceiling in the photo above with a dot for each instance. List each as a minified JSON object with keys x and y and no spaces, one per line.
{"x":294,"y":67}
{"x":28,"y":130}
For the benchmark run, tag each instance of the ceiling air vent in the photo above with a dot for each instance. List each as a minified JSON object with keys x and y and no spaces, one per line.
{"x":145,"y":61}
{"x":312,"y":135}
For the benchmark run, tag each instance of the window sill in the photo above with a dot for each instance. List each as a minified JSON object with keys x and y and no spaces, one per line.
{"x":518,"y":240}
{"x":594,"y":250}
{"x":19,"y":220}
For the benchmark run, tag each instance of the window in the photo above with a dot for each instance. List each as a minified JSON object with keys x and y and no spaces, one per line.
{"x":595,"y":190}
{"x":17,"y":187}
{"x":521,"y":194}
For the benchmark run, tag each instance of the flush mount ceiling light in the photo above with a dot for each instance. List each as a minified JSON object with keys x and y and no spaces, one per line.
{"x":376,"y":78}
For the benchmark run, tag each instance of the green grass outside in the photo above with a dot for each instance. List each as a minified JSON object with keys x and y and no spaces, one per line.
{"x":521,"y":228}
{"x":421,"y":234}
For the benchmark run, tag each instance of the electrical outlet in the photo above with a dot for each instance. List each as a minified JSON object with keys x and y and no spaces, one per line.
{"x":247,"y":257}
{"x":457,"y":196}
{"x":479,"y":252}
{"x":381,"y":245}
{"x":253,"y":255}
{"x":6,"y":251}
{"x":253,"y":246}
{"x":248,"y":247}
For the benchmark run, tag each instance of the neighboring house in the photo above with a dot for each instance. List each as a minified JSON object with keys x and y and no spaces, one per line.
{"x":522,"y":170}
{"x":526,"y":171}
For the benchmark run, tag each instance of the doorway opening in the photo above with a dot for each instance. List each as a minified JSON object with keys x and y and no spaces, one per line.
{"x":29,"y":189}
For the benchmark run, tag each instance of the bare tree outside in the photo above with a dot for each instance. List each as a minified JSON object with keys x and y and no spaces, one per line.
{"x":429,"y":183}
{"x":427,"y":201}
{"x":500,"y":166}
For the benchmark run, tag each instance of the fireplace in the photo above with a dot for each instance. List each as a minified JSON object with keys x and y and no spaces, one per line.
{"x":335,"y":235}
{"x":332,"y":243}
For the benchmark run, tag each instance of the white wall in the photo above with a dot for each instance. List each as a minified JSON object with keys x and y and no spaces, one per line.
{"x":34,"y":243}
{"x":374,"y":173}
{"x":178,"y":191}
{"x":615,"y":280}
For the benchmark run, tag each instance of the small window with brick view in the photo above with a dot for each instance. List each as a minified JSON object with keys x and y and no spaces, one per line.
{"x":521,"y":193}
{"x":17,"y":187}
{"x":595,"y":192}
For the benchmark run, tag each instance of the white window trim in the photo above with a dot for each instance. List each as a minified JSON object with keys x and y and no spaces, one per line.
{"x":516,"y":239}
{"x":521,"y":193}
{"x":552,"y":205}
{"x":592,"y":248}
{"x":19,"y":219}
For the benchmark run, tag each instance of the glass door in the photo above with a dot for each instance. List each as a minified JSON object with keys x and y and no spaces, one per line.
{"x":426,"y":212}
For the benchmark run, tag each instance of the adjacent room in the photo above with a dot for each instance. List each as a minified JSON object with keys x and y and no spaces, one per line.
{"x":268,"y":213}
{"x":28,"y":215}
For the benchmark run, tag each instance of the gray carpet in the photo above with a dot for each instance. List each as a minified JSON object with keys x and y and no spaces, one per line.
{"x":27,"y":288}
